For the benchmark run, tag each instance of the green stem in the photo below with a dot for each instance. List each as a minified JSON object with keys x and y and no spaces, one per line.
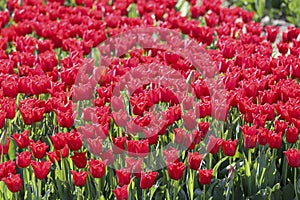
{"x":145,"y":194}
{"x":39,"y":186}
{"x":295,"y":183}
{"x":204,"y":192}
{"x":175,"y":189}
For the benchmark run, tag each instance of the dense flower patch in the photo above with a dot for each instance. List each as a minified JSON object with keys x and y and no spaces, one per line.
{"x":51,"y":149}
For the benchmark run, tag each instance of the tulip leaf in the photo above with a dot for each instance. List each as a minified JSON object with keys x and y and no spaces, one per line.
{"x":215,"y":169}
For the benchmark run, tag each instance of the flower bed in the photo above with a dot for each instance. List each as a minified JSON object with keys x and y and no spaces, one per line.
{"x":146,"y":100}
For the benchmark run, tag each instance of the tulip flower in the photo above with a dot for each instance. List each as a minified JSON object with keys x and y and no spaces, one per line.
{"x":205,"y":176}
{"x":79,"y":159}
{"x":194,"y":160}
{"x":123,"y":176}
{"x":96,"y":168}
{"x":214,"y":144}
{"x":58,"y":141}
{"x":23,"y":160}
{"x":41,"y":169}
{"x":229,"y":147}
{"x":121,"y":193}
{"x":293,"y":157}
{"x":74,"y":141}
{"x":38,"y":149}
{"x":147,"y":179}
{"x":22,"y":140}
{"x":13,"y":182}
{"x":292,"y":134}
{"x":176,"y":170}
{"x":79,"y":178}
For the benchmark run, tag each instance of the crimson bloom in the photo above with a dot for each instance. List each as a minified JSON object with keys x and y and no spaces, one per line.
{"x":147,"y":179}
{"x":58,"y":141}
{"x":96,"y":168}
{"x":121,"y":193}
{"x":214,"y":144}
{"x":7,"y":168}
{"x":275,"y":140}
{"x":22,"y":140}
{"x":205,"y":176}
{"x":79,"y":159}
{"x":41,"y":168}
{"x":79,"y":178}
{"x":38,"y":149}
{"x":176,"y":170}
{"x":123,"y":176}
{"x":250,"y":136}
{"x":293,"y":157}
{"x":229,"y":147}
{"x":4,"y":149}
{"x":292,"y":134}
{"x":13,"y":182}
{"x":74,"y":140}
{"x":23,"y":159}
{"x":194,"y":160}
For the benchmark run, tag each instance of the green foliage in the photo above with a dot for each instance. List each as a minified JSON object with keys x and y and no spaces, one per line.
{"x":283,"y":9}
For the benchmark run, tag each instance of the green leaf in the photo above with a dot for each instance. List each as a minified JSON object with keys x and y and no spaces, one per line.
{"x":260,"y":7}
{"x":215,"y":169}
{"x":288,"y":191}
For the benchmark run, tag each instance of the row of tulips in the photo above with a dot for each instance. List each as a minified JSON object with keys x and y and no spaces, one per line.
{"x":52,"y":149}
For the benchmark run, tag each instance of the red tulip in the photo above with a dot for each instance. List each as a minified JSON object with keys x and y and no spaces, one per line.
{"x":262,"y":136}
{"x":147,"y":179}
{"x":119,"y":145}
{"x":4,"y":149}
{"x":272,"y":32}
{"x":135,"y":166}
{"x":179,"y":135}
{"x":38,"y":149}
{"x":250,"y":136}
{"x":194,"y":160}
{"x":293,"y":157}
{"x":283,"y":47}
{"x":171,"y":155}
{"x":79,"y":178}
{"x":63,"y":152}
{"x":53,"y":156}
{"x":137,"y":147}
{"x":96,"y":168}
{"x":41,"y":169}
{"x":74,"y":140}
{"x":229,"y":147}
{"x":214,"y":144}
{"x":7,"y":168}
{"x":95,"y":145}
{"x":108,"y":156}
{"x":58,"y":141}
{"x":189,"y":120}
{"x":23,"y":159}
{"x":121,"y":193}
{"x":123,"y":176}
{"x":13,"y":182}
{"x":205,"y":176}
{"x":176,"y":170}
{"x":79,"y":159}
{"x":275,"y":140}
{"x":22,"y":140}
{"x":292,"y":134}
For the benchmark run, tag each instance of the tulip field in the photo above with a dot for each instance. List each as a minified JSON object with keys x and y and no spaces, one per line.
{"x":147,"y":99}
